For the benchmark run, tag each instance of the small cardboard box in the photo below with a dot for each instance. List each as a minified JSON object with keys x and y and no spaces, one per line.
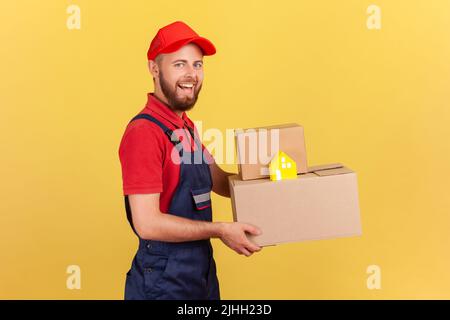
{"x":257,"y":146}
{"x":320,"y":204}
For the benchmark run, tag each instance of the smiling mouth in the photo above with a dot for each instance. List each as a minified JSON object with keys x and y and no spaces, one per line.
{"x":187,"y":87}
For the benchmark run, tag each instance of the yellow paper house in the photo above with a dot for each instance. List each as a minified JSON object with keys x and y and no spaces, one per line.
{"x":282,"y":167}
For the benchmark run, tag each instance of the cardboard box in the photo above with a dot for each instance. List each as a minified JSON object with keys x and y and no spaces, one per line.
{"x":320,"y":204}
{"x":257,"y":146}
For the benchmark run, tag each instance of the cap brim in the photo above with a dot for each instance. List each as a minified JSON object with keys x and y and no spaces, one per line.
{"x":205,"y":45}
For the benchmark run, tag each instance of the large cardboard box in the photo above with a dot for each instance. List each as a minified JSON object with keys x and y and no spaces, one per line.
{"x":320,"y":204}
{"x":257,"y":146}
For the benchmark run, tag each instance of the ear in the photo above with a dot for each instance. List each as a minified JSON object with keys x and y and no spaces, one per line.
{"x":153,"y":68}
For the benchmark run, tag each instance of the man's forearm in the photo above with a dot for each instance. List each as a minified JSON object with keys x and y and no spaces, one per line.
{"x":171,"y":228}
{"x":223,"y":188}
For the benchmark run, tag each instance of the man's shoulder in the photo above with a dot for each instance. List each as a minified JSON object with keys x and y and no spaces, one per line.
{"x":142,"y":132}
{"x":144,"y":126}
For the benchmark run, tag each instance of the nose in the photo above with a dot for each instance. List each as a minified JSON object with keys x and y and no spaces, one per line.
{"x":191,"y":72}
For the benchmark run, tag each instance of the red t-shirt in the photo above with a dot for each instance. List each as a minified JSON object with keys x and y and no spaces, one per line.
{"x":145,"y":152}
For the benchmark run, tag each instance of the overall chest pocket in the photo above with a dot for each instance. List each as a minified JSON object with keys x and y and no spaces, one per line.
{"x":201,"y":197}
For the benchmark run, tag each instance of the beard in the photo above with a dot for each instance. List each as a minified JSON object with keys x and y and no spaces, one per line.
{"x":176,"y":103}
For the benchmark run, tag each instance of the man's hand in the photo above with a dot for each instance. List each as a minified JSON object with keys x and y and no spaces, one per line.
{"x":233,"y":235}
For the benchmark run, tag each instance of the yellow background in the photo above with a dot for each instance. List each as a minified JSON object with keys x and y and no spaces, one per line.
{"x":375,"y":100}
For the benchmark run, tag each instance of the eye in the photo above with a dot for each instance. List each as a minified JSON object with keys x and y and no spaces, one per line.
{"x":198,"y":65}
{"x":179,"y":65}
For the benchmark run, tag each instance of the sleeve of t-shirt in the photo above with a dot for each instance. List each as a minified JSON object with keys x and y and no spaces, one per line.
{"x":141,"y":156}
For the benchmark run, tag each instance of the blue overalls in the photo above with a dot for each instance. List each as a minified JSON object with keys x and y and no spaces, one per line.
{"x":177,"y":270}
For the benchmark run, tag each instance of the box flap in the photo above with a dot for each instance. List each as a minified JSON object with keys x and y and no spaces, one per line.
{"x":325,"y":167}
{"x":329,"y":169}
{"x":237,"y":181}
{"x":335,"y":171}
{"x":275,"y":126}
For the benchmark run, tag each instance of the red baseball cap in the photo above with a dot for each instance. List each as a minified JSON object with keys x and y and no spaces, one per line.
{"x":175,"y":35}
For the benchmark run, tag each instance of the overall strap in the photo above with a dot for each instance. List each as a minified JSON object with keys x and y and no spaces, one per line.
{"x":198,"y":143}
{"x":174,"y":140}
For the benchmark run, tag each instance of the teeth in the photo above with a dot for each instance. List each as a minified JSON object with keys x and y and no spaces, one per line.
{"x":186,"y":85}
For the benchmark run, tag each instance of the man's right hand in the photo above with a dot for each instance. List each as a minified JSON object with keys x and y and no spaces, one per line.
{"x":233,"y":235}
